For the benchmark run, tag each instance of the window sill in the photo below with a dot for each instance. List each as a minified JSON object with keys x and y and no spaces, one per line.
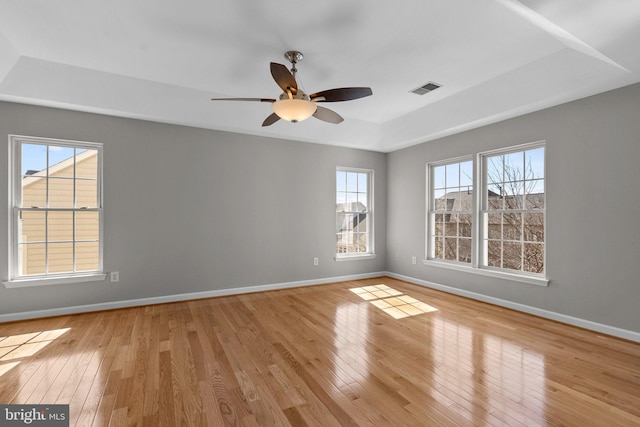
{"x":58,"y":280}
{"x":340,"y":258}
{"x":522,"y":278}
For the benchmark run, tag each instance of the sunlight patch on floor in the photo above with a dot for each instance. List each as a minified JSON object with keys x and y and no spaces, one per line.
{"x":16,"y":347}
{"x":393,"y":302}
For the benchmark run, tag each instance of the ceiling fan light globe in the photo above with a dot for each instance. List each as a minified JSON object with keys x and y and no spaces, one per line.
{"x":294,"y":110}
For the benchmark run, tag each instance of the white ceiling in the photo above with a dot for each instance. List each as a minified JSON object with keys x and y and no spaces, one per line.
{"x":163,"y":60}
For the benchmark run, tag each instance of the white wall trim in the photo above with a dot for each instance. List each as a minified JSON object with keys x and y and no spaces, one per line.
{"x":11,"y":317}
{"x":563,"y":318}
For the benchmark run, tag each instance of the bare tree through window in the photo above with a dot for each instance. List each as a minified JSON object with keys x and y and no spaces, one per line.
{"x":514,"y":213}
{"x":452,"y":211}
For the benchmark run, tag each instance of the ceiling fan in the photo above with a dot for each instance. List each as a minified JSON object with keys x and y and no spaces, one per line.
{"x":293,"y":104}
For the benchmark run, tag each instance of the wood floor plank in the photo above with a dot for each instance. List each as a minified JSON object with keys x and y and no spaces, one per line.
{"x":321,"y":356}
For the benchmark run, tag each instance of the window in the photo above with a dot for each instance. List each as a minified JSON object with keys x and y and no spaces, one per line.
{"x":56,"y":197}
{"x":513,"y":210}
{"x":354,"y":215}
{"x":498,"y":228}
{"x":451,"y":211}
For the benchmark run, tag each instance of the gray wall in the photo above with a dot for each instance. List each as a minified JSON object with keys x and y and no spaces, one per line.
{"x":191,"y":210}
{"x":593,"y":207}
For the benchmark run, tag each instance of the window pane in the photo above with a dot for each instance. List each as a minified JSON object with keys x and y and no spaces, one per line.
{"x":343,"y":222}
{"x":464,"y":250}
{"x":438,"y":177}
{"x":345,"y":243}
{"x":451,"y":225}
{"x":34,"y":158}
{"x":464,"y":225}
{"x":87,"y":256}
{"x":341,"y":181}
{"x":513,"y":192}
{"x":352,"y":181}
{"x":362,"y":201}
{"x":511,"y":226}
{"x":60,"y":226}
{"x":60,"y":257}
{"x":32,"y":258}
{"x":494,"y":226}
{"x":362,"y":182}
{"x":341,"y":200}
{"x":87,"y":164}
{"x":466,"y":174}
{"x":514,"y":167}
{"x":87,"y":226}
{"x":352,"y":198}
{"x":451,"y":250}
{"x":534,"y":227}
{"x":535,"y":194}
{"x":534,"y":258}
{"x":494,"y":169}
{"x":513,"y":202}
{"x":465,"y":201}
{"x":34,"y":192}
{"x":438,"y":194}
{"x":453,"y":175}
{"x":361,"y":242}
{"x":494,"y":199}
{"x":31,"y":227}
{"x":60,"y":193}
{"x":512,"y":255}
{"x":86,"y":194}
{"x":439,"y":248}
{"x":494,"y":253}
{"x":440,"y":204}
{"x":534,"y":160}
{"x":451,"y":201}
{"x":61,"y":161}
{"x":439,"y":225}
{"x":361,"y":223}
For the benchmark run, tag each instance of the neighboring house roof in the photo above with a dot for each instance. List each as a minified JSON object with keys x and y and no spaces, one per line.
{"x":350,"y":207}
{"x":350,"y":224}
{"x":32,"y":176}
{"x":463,"y":200}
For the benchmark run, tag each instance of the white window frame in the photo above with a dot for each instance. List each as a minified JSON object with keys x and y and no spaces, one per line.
{"x":15,"y":280}
{"x":370,"y":251}
{"x":479,"y":231}
{"x":431,"y":211}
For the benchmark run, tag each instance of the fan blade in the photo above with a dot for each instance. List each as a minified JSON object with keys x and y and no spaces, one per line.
{"x":270,"y":120}
{"x":342,"y":94}
{"x":327,"y":115}
{"x":244,"y":99}
{"x":283,"y":77}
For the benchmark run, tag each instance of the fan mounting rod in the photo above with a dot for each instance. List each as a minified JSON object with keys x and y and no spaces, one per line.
{"x":294,"y":57}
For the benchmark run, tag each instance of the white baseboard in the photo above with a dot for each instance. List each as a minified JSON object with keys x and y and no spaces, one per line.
{"x":179,"y":297}
{"x":563,"y":318}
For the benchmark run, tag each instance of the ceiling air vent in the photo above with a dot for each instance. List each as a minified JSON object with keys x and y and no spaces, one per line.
{"x":426,"y":88}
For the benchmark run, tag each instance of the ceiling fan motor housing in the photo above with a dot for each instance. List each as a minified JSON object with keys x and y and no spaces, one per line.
{"x":299,"y":95}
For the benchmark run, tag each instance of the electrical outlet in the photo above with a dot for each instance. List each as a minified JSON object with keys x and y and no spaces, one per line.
{"x":115,"y":276}
{"x":315,"y":261}
{"x":413,"y":260}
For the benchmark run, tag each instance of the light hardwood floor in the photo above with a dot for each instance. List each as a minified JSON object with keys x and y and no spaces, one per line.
{"x":329,"y":355}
